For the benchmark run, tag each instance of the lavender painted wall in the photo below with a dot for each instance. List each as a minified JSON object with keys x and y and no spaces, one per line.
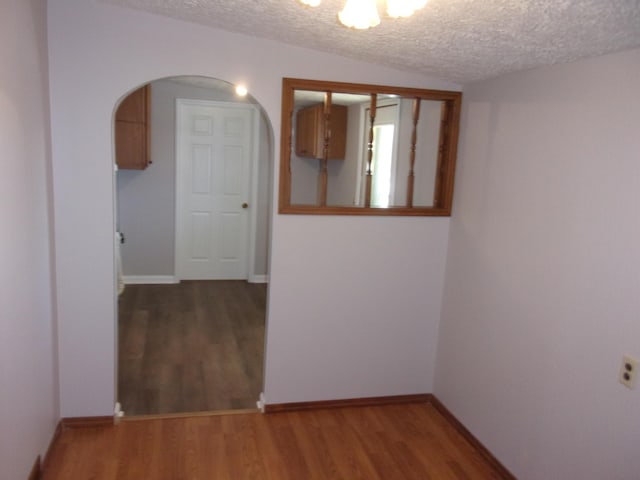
{"x":358,"y":341}
{"x":541,"y":287}
{"x":543,"y":274}
{"x":28,"y":367}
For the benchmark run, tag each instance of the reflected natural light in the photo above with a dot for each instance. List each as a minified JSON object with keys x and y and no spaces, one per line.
{"x":381,"y":165}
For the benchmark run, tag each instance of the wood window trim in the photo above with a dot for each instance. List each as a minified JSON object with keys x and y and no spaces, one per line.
{"x":447,"y":148}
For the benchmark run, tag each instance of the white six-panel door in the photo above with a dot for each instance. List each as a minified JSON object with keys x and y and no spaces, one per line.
{"x":213,"y":159}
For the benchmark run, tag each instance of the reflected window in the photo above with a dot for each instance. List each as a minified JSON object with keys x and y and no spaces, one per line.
{"x":382,"y":165}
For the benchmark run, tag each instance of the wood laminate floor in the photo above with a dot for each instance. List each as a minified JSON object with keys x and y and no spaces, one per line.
{"x":190,"y":347}
{"x":409,"y":441}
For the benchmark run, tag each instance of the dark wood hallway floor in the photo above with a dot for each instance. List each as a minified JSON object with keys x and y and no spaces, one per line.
{"x":190,"y":347}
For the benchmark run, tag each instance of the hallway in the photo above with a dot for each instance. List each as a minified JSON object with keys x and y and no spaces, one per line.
{"x":190,"y":347}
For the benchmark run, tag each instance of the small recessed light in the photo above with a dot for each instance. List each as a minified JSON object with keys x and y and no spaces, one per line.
{"x":241,"y":90}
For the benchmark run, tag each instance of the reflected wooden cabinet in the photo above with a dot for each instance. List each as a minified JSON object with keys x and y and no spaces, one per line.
{"x":132,"y":128}
{"x":310,"y":132}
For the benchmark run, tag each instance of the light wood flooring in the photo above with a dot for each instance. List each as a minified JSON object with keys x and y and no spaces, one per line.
{"x":408,"y":441}
{"x":190,"y":347}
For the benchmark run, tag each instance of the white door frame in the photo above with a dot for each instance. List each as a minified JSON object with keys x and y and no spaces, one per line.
{"x":253,"y":181}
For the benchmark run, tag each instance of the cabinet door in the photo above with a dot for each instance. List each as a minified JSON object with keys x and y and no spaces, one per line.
{"x":134,"y":107}
{"x":310,"y":127}
{"x":338,"y":128}
{"x":132,"y":130}
{"x":307,"y":131}
{"x":131,"y":146}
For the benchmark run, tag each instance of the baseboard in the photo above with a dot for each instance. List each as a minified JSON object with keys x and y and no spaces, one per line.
{"x":483,"y":451}
{"x":47,"y":455}
{"x":258,"y":279}
{"x":36,"y":470}
{"x":170,"y":279}
{"x":346,"y":402}
{"x":84,"y":422}
{"x":169,"y":416}
{"x":149,"y":279}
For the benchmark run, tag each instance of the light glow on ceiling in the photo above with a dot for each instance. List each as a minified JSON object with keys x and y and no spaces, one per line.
{"x":363,"y":14}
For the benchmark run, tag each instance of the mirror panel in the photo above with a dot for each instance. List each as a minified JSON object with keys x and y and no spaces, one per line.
{"x":362,"y":149}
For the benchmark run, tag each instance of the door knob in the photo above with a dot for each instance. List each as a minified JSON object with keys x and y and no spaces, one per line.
{"x":245,"y":205}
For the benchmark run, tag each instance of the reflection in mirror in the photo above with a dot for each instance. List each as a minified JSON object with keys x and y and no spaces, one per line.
{"x":365,"y":149}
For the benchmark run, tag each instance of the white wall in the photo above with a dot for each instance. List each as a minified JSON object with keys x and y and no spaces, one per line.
{"x":28,"y":370}
{"x":331,"y":333}
{"x":542,"y":287}
{"x":355,"y":310}
{"x":146,"y":209}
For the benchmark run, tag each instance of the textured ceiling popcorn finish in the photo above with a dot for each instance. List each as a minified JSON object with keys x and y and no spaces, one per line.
{"x":456,"y":40}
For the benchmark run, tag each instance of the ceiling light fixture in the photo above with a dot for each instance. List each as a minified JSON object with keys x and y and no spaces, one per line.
{"x":363,"y":14}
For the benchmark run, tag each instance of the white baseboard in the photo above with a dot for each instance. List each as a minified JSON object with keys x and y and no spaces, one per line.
{"x":162,"y":279}
{"x":148,"y":279}
{"x":258,"y":279}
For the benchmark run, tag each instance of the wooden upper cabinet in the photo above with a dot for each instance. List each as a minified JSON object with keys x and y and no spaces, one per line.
{"x":310,"y":127}
{"x":133,"y":129}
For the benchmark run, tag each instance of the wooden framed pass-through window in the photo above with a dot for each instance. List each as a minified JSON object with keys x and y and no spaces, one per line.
{"x":359,"y":149}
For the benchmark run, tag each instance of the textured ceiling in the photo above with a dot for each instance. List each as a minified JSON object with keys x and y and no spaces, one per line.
{"x":457,"y":40}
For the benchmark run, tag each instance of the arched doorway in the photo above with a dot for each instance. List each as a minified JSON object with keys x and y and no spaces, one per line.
{"x":191,"y":343}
